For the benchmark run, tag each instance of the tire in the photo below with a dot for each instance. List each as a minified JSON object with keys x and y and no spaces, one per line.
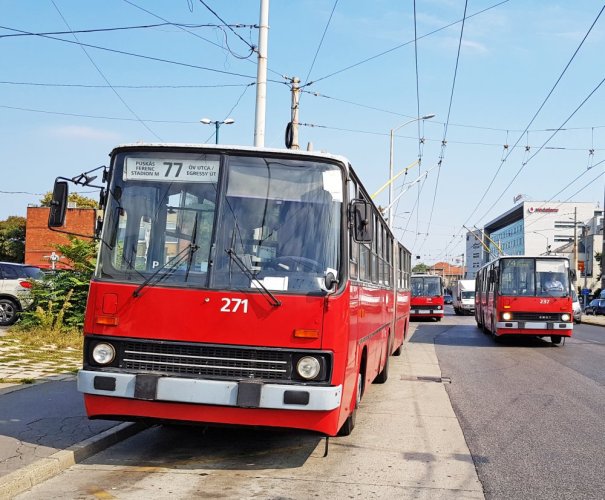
{"x":383,"y":376}
{"x":349,"y":423}
{"x":9,"y":312}
{"x":556,"y":339}
{"x":397,"y":352}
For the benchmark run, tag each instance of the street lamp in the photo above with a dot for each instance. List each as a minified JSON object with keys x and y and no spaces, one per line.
{"x":217,"y":124}
{"x":393,"y":130}
{"x":543,"y":236}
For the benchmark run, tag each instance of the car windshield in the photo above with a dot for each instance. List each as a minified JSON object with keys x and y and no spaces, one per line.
{"x":230,"y":222}
{"x":467,"y":295}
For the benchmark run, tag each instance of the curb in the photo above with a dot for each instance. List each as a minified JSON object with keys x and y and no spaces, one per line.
{"x":23,"y":479}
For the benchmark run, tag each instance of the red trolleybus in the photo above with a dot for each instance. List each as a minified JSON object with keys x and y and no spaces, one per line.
{"x":520,"y":295}
{"x":427,"y":297}
{"x":239,"y":286}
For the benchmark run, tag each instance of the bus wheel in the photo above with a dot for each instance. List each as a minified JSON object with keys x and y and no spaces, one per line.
{"x":349,"y":424}
{"x":556,"y":339}
{"x":397,"y":352}
{"x":383,"y":376}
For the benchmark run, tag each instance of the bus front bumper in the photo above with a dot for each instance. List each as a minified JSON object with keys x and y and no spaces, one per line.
{"x":243,"y":394}
{"x":533,"y":325}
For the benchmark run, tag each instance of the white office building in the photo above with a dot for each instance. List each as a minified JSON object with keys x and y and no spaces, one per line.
{"x":573,"y":229}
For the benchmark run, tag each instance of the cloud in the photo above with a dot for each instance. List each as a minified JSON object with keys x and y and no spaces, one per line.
{"x":79,"y":132}
{"x":476,"y":47}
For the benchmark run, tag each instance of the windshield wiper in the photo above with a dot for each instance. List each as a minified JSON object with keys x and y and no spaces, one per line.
{"x":193,"y":247}
{"x":272,"y":299}
{"x":186,"y":253}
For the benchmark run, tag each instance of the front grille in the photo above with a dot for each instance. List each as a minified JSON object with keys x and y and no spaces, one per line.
{"x":425,"y":308}
{"x":206,"y":360}
{"x":536,"y":316}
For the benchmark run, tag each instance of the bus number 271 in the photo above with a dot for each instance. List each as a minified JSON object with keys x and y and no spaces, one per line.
{"x":233,"y":305}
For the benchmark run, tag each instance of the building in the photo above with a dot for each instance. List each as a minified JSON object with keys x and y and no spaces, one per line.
{"x":41,"y":243}
{"x":475,"y":253}
{"x":449,"y":272}
{"x":572,"y":229}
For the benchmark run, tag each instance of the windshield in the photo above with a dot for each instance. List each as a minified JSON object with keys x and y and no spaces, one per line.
{"x":426,"y":286}
{"x":535,"y":277}
{"x":467,"y":295}
{"x":184,"y":219}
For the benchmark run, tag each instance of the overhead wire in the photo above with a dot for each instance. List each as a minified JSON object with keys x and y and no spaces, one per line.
{"x":404,"y":44}
{"x":524,"y":164}
{"x":449,"y":110}
{"x":100,"y":72}
{"x":252,"y":47}
{"x":129,"y":28}
{"x":321,"y":41}
{"x":141,"y":56}
{"x":535,"y":114}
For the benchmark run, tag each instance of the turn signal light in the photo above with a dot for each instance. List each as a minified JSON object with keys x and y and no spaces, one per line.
{"x":306,"y":334}
{"x":107,"y":320}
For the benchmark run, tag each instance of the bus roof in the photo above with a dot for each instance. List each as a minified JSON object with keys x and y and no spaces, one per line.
{"x":231,"y":148}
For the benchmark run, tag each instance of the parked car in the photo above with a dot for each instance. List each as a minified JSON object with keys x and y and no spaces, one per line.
{"x":577,"y":308}
{"x":448,"y":299}
{"x":596,"y":306}
{"x":15,"y":283}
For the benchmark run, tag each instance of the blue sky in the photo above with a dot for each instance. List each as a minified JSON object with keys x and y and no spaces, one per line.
{"x":60,"y":116}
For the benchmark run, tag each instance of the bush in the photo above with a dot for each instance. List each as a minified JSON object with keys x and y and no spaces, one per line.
{"x":60,"y":297}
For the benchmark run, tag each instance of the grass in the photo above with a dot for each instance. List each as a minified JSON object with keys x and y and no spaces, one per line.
{"x":48,"y":352}
{"x":40,"y":339}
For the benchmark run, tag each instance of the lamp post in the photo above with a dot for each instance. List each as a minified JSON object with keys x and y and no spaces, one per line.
{"x":217,"y":124}
{"x":543,"y":236}
{"x":392,"y":135}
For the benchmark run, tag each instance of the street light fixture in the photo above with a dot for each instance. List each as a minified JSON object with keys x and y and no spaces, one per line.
{"x":217,"y":124}
{"x":392,"y":134}
{"x":543,"y":236}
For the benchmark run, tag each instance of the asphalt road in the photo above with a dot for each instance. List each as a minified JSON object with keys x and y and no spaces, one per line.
{"x":533,"y":414}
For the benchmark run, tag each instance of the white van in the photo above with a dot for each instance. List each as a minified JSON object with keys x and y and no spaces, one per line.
{"x":464,"y":297}
{"x":577,"y":308}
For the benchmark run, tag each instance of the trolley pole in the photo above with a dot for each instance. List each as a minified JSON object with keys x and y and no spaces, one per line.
{"x":261,"y":76}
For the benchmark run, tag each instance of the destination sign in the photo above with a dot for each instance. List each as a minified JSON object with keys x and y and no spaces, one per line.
{"x":171,"y":170}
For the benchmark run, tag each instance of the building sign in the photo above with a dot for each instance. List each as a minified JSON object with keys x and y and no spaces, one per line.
{"x":543,"y":210}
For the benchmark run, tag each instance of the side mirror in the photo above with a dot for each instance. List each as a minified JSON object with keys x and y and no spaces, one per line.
{"x":330,"y":281}
{"x":362,"y":221}
{"x":58,"y":204}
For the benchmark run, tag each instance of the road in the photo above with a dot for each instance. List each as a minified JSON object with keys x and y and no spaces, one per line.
{"x":532,"y":415}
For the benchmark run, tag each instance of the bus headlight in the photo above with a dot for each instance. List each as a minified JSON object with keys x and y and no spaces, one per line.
{"x":565,"y":317}
{"x":507,"y":316}
{"x":103,"y":353}
{"x":308,"y":367}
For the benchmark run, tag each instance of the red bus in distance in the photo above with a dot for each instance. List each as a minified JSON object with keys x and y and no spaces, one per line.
{"x":427,"y":297}
{"x":524,"y":295}
{"x":239,"y":286}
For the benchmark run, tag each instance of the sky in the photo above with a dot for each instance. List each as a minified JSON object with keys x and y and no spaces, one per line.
{"x":516,"y":88}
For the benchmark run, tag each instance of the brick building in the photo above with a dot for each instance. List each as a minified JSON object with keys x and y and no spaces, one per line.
{"x":41,"y":242}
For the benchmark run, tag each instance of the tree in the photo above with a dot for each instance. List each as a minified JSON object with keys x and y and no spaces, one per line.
{"x":420,"y":268}
{"x":599,"y":258}
{"x":12,"y":239}
{"x":78,"y":199}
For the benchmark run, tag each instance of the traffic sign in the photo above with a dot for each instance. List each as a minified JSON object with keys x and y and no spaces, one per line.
{"x":585,"y":291}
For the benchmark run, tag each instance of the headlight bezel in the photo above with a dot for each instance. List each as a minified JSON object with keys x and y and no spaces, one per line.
{"x":507,"y":316}
{"x":565,"y":317}
{"x":311,"y":362}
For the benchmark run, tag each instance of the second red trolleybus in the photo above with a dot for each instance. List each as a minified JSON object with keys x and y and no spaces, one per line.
{"x":523,"y":295}
{"x":427,"y":297}
{"x":239,"y":286}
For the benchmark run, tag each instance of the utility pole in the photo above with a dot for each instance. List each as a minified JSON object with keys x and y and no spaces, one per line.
{"x":261,"y":76}
{"x":575,"y":239}
{"x":294,"y":112}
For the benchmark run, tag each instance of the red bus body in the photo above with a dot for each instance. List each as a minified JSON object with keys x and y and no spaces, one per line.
{"x":229,"y":356}
{"x":511,"y":298}
{"x":427,"y":297}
